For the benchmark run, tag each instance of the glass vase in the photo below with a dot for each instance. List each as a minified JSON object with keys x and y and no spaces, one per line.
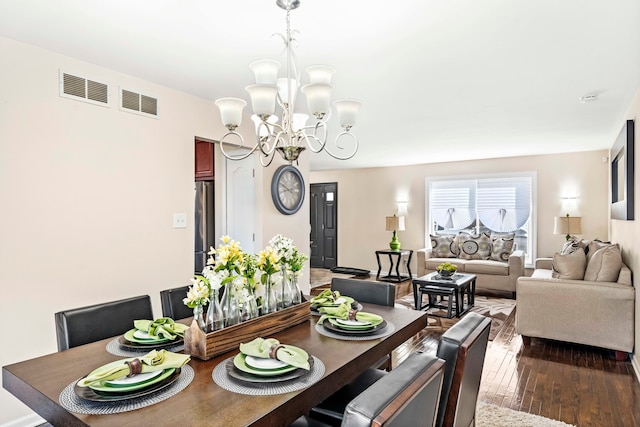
{"x":284,"y":293}
{"x":230,"y":309}
{"x":269,"y":298}
{"x":198,"y":312}
{"x":214,"y":317}
{"x":296,"y":296}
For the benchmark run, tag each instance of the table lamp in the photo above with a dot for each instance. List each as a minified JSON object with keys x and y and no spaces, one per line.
{"x":567,"y":225}
{"x":395,"y":223}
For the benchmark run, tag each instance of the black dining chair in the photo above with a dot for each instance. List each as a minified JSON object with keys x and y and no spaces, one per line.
{"x":463,"y":347}
{"x":407,"y":396}
{"x":367,"y":291}
{"x":173,"y":305}
{"x":380,"y":293}
{"x":83,"y":325}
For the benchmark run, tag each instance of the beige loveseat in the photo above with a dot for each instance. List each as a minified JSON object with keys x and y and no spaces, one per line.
{"x":589,"y":312}
{"x":490,"y":274}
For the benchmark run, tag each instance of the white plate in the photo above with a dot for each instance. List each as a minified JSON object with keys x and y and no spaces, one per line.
{"x":340,"y":300}
{"x":264,"y":363}
{"x":352,"y":322}
{"x":142,"y":335}
{"x":138,"y":378}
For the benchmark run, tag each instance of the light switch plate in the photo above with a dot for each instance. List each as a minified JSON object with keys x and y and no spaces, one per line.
{"x":179,"y":220}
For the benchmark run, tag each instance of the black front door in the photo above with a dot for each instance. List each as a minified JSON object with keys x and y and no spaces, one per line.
{"x":324,"y":225}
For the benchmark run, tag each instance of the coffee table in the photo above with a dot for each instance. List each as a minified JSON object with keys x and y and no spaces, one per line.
{"x":454,"y":288}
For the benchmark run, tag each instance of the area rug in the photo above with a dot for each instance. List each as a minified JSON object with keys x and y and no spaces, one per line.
{"x":498,"y":309}
{"x":488,"y":415}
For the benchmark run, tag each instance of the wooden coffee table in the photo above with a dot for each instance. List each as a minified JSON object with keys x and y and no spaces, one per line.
{"x":454,"y":289}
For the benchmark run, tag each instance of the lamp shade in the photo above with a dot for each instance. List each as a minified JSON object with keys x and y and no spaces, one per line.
{"x":318,"y":97}
{"x":567,"y":225}
{"x":347,"y":110}
{"x":263,"y":98}
{"x":231,"y":110}
{"x":395,"y":223}
{"x":265,"y":71}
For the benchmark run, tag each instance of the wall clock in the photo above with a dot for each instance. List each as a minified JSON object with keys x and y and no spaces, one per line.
{"x":287,"y":189}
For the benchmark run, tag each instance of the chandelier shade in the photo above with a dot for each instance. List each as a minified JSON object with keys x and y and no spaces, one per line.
{"x":273,"y":96}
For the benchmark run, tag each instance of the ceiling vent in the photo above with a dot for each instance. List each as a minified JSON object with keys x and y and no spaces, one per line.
{"x":83,"y":89}
{"x":134,"y":102}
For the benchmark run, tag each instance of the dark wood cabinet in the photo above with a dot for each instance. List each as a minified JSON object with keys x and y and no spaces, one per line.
{"x":204,"y":161}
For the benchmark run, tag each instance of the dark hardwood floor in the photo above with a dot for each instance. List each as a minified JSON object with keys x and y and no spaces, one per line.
{"x":579,"y":385}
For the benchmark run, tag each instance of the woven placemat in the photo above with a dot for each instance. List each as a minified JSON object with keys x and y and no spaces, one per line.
{"x":388,"y":330}
{"x":228,"y":383}
{"x":71,"y":402}
{"x":116,"y":349}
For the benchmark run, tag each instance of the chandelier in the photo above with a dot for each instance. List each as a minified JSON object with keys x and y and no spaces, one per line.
{"x":289,"y":134}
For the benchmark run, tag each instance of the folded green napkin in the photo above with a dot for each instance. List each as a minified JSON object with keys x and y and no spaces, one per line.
{"x":261,"y":347}
{"x":164,"y":327}
{"x":342,"y":312}
{"x":325,"y":297}
{"x":153,"y":361}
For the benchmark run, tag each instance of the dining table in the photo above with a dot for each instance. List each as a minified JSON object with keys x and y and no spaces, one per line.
{"x":40,"y":382}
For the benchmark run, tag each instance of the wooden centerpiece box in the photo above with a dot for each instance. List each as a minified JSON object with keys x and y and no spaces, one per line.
{"x":205,"y":346}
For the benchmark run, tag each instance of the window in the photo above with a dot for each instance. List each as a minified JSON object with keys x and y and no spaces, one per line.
{"x":498,"y":203}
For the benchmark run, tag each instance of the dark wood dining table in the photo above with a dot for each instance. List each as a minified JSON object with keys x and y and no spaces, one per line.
{"x":38,"y":382}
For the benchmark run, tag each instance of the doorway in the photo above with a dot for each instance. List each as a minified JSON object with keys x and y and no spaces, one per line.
{"x":240,"y":201}
{"x":324,"y":225}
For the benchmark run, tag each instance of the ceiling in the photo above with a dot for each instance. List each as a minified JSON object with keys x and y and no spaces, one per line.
{"x":439,"y":79}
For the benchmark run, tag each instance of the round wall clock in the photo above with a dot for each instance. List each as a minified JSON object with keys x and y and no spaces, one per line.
{"x":287,"y":189}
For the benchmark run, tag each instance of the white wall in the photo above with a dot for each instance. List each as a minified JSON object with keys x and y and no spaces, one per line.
{"x":627,"y":233}
{"x":87,"y":196}
{"x":366,"y":196}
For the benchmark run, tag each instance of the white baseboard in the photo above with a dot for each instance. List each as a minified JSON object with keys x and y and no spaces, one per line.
{"x":635,"y":363}
{"x":27,"y":421}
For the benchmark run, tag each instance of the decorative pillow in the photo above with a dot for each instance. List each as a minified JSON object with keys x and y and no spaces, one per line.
{"x":593,"y":247}
{"x":443,"y":247}
{"x":474,"y":247}
{"x":570,"y":266}
{"x":496,"y":235}
{"x":570,"y":246}
{"x":502,"y":248}
{"x":604,"y":265}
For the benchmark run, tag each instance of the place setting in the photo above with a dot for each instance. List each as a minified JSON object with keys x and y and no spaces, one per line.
{"x":329,"y":298}
{"x":129,"y":384}
{"x":346,"y":321}
{"x":162,"y":333}
{"x":264,"y":366}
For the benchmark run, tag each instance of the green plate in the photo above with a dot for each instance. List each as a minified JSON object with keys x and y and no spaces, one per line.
{"x":240,"y":363}
{"x":331,"y":327}
{"x":105,"y":386}
{"x":129,"y":337}
{"x":339,"y":324}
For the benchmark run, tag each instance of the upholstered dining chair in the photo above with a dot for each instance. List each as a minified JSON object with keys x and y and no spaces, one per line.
{"x":407,"y":396}
{"x":367,"y":291}
{"x":381,"y":293}
{"x":83,"y":325}
{"x":463,"y":347}
{"x":172,"y":304}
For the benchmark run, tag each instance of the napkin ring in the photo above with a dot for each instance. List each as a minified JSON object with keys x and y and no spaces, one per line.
{"x":135,"y":367}
{"x":273,"y":350}
{"x":352,"y":314}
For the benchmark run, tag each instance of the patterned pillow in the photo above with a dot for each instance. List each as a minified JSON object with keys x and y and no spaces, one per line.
{"x":502,"y":248}
{"x":570,"y":246}
{"x":474,"y":247}
{"x":442,"y":247}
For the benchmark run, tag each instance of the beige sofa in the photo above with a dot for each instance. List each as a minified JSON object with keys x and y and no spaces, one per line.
{"x":490,"y":274}
{"x":595,"y":313}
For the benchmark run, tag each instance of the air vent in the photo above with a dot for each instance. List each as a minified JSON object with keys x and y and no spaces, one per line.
{"x":83,"y":89}
{"x":138,"y":103}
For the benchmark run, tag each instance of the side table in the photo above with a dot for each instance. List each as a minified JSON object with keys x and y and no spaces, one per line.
{"x":398,"y":254}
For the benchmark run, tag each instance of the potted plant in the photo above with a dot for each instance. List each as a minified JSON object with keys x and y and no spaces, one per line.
{"x":447,"y":269}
